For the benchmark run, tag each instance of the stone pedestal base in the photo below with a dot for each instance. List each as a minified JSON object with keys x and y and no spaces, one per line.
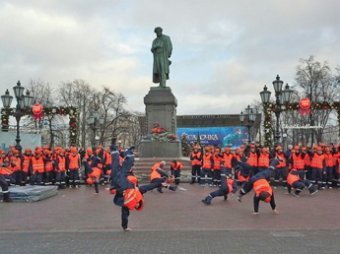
{"x":160,"y":107}
{"x":149,"y":148}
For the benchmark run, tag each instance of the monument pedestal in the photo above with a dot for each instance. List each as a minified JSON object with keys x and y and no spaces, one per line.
{"x":160,"y":106}
{"x":153,"y":148}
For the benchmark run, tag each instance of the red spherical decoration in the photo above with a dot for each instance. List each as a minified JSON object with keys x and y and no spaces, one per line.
{"x":37,"y":111}
{"x":305,"y":106}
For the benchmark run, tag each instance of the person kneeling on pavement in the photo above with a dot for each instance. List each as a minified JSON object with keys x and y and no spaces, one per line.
{"x":294,"y":181}
{"x":228,"y":185}
{"x":160,"y":177}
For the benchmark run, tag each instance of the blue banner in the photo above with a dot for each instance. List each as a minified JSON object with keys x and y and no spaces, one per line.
{"x":216,"y":136}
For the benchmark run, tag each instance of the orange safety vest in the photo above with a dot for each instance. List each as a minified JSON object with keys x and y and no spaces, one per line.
{"x":26,"y":163}
{"x":196,"y":161}
{"x":74,"y":162}
{"x":108,"y":158}
{"x":5,"y":171}
{"x":298,"y":162}
{"x":154,"y":173}
{"x":282,"y":163}
{"x":61,"y":163}
{"x":307,"y":160}
{"x":38,"y":165}
{"x":262,"y":185}
{"x":252,"y":159}
{"x":263,"y":160}
{"x":217,"y":162}
{"x":48,"y":164}
{"x":207,"y":161}
{"x":15,"y":163}
{"x":329,"y":160}
{"x":133,"y":198}
{"x":96,"y":173}
{"x":317,"y":161}
{"x":227,"y":158}
{"x":291,"y":179}
{"x":176,"y":166}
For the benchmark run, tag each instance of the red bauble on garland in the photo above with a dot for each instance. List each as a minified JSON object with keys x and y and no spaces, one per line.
{"x":305,"y":106}
{"x":37,"y":111}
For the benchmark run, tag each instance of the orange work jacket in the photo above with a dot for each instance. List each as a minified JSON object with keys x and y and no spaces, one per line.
{"x":262,"y":185}
{"x":263,"y":160}
{"x":38,"y":165}
{"x":298,"y":162}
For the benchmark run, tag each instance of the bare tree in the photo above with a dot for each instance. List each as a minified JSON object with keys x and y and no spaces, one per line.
{"x":44,"y":94}
{"x":77,"y":94}
{"x":320,"y":85}
{"x":115,"y":117}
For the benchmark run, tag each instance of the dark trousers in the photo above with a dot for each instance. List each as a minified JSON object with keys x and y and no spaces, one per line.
{"x":246,"y":187}
{"x":196,"y":174}
{"x":177,"y":176}
{"x":206,"y":176}
{"x":309,"y":172}
{"x":4,"y":187}
{"x":158,"y":183}
{"x":280,"y":173}
{"x":50,"y":177}
{"x":23,"y":177}
{"x":301,"y":173}
{"x":317,"y":175}
{"x":60,"y":178}
{"x":37,"y":178}
{"x":17,"y":177}
{"x":222,"y":191}
{"x":300,"y":185}
{"x":125,"y":217}
{"x":329,"y":176}
{"x":74,"y":177}
{"x":3,"y":184}
{"x":216,"y":177}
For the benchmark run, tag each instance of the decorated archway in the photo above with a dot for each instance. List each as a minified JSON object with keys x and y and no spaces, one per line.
{"x":269,"y":108}
{"x":72,"y":112}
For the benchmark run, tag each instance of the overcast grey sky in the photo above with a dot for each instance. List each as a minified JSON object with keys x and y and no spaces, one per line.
{"x":224,"y":51}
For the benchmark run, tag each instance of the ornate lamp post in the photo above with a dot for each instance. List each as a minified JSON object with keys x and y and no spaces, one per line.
{"x":248,"y":119}
{"x":23,"y":101}
{"x":94,"y":121}
{"x":282,"y":98}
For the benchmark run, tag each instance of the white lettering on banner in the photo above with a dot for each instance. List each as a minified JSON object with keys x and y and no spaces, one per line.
{"x":203,"y":137}
{"x":209,"y":137}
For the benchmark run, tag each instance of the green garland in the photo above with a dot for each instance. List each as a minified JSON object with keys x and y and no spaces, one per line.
{"x":72,"y":112}
{"x":269,"y":108}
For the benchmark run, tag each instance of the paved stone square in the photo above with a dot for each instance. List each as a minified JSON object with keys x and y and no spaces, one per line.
{"x":78,"y":221}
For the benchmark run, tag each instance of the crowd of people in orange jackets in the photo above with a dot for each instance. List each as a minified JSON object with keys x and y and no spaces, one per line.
{"x":62,"y":167}
{"x":319,"y":164}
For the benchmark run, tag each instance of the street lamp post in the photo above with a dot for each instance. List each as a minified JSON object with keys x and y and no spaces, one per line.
{"x":23,"y":101}
{"x":282,"y":97}
{"x":247,"y":119}
{"x":94,"y":121}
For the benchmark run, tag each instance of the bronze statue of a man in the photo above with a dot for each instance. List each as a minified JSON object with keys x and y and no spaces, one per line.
{"x":161,"y":49}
